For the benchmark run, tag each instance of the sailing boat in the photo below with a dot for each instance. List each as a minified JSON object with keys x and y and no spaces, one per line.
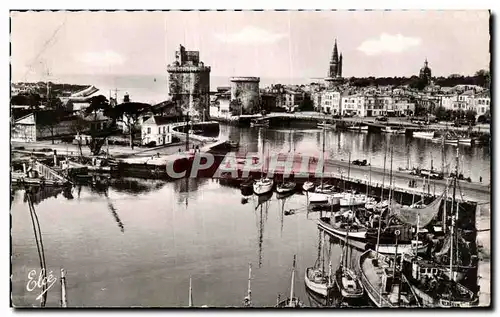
{"x":315,"y":278}
{"x":322,"y":192}
{"x":292,"y":301}
{"x":288,"y":186}
{"x":346,"y":280}
{"x":263,"y":185}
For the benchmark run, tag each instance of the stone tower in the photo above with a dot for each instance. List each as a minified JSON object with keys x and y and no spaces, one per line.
{"x":335,"y":70}
{"x":189,"y":84}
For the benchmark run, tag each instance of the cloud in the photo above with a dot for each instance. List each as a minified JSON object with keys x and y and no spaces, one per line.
{"x":250,"y":35}
{"x":388,"y":43}
{"x":103,"y":58}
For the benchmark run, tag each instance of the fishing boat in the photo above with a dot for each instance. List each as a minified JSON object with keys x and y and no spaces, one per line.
{"x":429,"y":135}
{"x":339,"y":227}
{"x":389,"y":129}
{"x":316,"y":279}
{"x":265,"y":184}
{"x":292,"y":301}
{"x":385,"y":285}
{"x":346,"y":280}
{"x":433,"y":287}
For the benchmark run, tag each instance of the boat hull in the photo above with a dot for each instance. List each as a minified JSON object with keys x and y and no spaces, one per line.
{"x":390,"y":249}
{"x":360,"y":234}
{"x":342,"y":277}
{"x":424,"y":135}
{"x":260,"y":188}
{"x":319,"y":288}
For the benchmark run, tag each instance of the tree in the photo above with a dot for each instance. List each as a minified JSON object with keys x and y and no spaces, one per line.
{"x":306,"y":104}
{"x":441,"y":113}
{"x":98,"y":103}
{"x":128,"y":113}
{"x":50,"y":119}
{"x":470,"y":115}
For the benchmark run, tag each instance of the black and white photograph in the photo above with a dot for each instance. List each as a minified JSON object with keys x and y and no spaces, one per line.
{"x":250,"y":159}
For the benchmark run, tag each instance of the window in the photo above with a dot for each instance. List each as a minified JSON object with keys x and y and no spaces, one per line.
{"x":487,"y":102}
{"x":149,"y":130}
{"x":163,"y":129}
{"x":159,"y":130}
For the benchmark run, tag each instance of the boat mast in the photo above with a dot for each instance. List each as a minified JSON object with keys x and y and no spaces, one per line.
{"x":383,"y":175}
{"x":453,"y":217}
{"x":370,"y":177}
{"x":292,"y":282}
{"x":249,"y":291}
{"x":390,"y":178}
{"x":190,"y":294}
{"x":323,"y":158}
{"x":444,"y":205}
{"x":322,"y":254}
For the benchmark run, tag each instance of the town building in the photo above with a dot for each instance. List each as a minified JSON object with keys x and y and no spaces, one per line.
{"x":189,"y":83}
{"x":292,"y":98}
{"x":331,"y":102}
{"x":334,"y":76}
{"x":220,"y":107}
{"x":482,"y":103}
{"x":353,"y":105}
{"x":157,"y":130}
{"x":41,"y":125}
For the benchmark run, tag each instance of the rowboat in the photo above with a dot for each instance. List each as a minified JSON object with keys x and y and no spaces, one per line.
{"x":360,"y":128}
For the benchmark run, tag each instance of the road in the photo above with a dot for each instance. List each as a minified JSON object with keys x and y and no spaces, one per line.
{"x":114,"y":150}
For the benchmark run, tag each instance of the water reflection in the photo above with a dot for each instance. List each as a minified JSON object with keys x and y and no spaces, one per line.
{"x":338,"y":144}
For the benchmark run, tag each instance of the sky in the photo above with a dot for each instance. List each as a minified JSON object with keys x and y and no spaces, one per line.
{"x":286,"y":44}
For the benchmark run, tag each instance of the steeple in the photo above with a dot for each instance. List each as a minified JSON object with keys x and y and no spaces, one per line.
{"x":340,"y":66}
{"x":426,"y":63}
{"x":335,"y":57}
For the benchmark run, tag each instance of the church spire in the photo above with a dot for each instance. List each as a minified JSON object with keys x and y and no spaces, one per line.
{"x":426,"y":63}
{"x":335,"y":57}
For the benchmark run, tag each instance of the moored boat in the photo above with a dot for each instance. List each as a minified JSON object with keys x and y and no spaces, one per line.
{"x":308,"y":186}
{"x":286,"y":187}
{"x":292,"y":301}
{"x":384,"y":287}
{"x":339,"y":228}
{"x":348,"y":283}
{"x":429,"y":135}
{"x":263,"y":186}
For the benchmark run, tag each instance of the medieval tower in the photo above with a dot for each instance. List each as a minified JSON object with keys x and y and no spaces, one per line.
{"x":189,"y":84}
{"x":334,"y":77}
